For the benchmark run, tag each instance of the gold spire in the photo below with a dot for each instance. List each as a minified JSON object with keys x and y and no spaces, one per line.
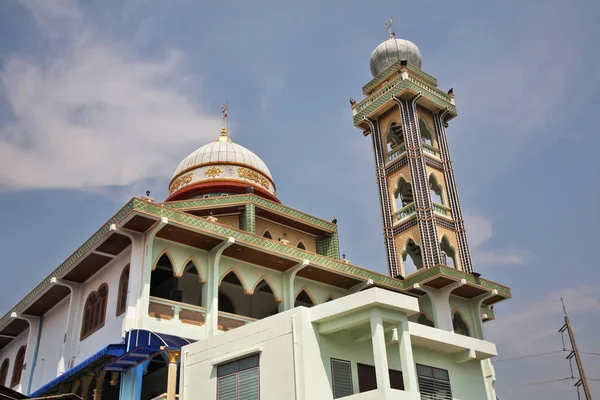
{"x":223,"y":136}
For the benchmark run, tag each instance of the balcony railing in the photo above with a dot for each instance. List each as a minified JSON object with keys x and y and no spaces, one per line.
{"x":396,"y":153}
{"x":174,"y":310}
{"x":441,"y":209}
{"x":405,"y":212}
{"x":229,"y":321}
{"x":429,"y":149}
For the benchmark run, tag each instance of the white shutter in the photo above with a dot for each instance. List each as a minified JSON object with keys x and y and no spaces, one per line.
{"x":341,"y":377}
{"x":248,"y":384}
{"x":227,"y":387}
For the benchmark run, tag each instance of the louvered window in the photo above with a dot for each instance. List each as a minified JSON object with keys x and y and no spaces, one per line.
{"x":434,"y":383}
{"x":239,"y":380}
{"x":341,"y":377}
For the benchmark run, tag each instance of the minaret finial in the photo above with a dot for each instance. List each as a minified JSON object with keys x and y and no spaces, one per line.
{"x":224,"y":123}
{"x":388,"y":26}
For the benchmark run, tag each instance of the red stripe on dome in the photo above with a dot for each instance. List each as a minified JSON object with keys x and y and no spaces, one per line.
{"x":201,"y":188}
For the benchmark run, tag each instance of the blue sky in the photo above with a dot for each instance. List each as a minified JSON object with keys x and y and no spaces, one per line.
{"x":100,"y":100}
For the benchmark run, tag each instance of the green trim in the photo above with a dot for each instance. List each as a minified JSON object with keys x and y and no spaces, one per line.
{"x":385,"y":94}
{"x":249,"y":218}
{"x":328,"y":246}
{"x":390,"y":70}
{"x":490,"y":313}
{"x":257,"y":200}
{"x":425,"y":274}
{"x":93,"y":240}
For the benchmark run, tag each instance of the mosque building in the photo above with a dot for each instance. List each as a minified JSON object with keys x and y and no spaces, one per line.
{"x":223,"y":292}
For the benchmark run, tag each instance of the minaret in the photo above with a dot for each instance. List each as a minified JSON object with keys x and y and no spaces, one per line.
{"x":406,"y":115}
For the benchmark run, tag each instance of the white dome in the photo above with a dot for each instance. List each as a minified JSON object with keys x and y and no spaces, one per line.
{"x":391,"y":51}
{"x":223,"y":152}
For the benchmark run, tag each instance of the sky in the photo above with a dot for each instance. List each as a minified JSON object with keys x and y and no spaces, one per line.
{"x":100,"y":100}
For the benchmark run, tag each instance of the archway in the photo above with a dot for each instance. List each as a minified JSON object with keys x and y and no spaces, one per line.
{"x":411,"y":258}
{"x":448,"y":253}
{"x":459,"y":324}
{"x":394,"y":137}
{"x":163,"y":282}
{"x":435,"y":190}
{"x":426,"y":135}
{"x":403,"y":194}
{"x":263,"y":300}
{"x":303,"y":299}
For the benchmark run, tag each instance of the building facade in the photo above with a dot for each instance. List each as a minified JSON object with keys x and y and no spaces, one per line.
{"x":221,"y":291}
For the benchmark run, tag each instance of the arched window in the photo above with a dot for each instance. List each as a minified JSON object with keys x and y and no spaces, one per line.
{"x":123,"y":288}
{"x":448,"y":253}
{"x":426,"y":135}
{"x":394,"y":136}
{"x":459,"y":324}
{"x":435,"y":189}
{"x":403,"y":194}
{"x":411,"y":258}
{"x":163,"y":282}
{"x":301,"y":246}
{"x":4,"y":371}
{"x":267,"y":235}
{"x":226,"y":304}
{"x":303,"y":299}
{"x":18,"y":369}
{"x":423,"y":320}
{"x":94,"y":313}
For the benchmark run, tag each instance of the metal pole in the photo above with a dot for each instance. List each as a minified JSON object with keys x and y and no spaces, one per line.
{"x":583,"y":380}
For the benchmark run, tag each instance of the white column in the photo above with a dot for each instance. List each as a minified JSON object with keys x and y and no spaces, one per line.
{"x":407,"y":361}
{"x":142,"y":296}
{"x":380,"y":353}
{"x":69,"y":338}
{"x":288,"y":284}
{"x":173,"y":356}
{"x":212,"y":286}
{"x":440,"y":302}
{"x":30,"y":350}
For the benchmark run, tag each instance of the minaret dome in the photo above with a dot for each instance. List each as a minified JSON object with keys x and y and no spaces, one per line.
{"x":392,"y":50}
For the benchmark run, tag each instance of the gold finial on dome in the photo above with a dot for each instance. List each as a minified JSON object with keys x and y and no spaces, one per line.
{"x":388,"y":26}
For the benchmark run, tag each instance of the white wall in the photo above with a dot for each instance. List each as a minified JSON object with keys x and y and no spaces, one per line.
{"x":51,"y":344}
{"x":10,"y":352}
{"x":112,"y":331}
{"x":466,"y":379}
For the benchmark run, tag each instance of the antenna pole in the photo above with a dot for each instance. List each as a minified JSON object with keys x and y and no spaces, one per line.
{"x":575,"y":353}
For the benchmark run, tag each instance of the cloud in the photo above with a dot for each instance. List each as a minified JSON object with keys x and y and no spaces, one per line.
{"x":479,"y":231}
{"x":91,"y":113}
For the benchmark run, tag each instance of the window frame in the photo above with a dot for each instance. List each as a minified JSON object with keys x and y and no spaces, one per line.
{"x":237,"y":372}
{"x":432,"y":380}
{"x":19,"y":365}
{"x":93,"y":311}
{"x":123,"y":290}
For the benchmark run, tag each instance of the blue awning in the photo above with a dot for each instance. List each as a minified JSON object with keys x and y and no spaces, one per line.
{"x":110,"y":351}
{"x":142,"y":345}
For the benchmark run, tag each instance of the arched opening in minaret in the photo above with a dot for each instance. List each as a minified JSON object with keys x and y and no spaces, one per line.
{"x":459,"y":324}
{"x":394,"y":137}
{"x":448,"y":253}
{"x":403,"y":194}
{"x":435,"y":190}
{"x":411,"y":258}
{"x":426,"y":134}
{"x":263,"y":301}
{"x":423,"y":319}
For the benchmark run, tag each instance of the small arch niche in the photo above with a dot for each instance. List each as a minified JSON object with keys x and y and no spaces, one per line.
{"x":403,"y":195}
{"x":426,"y":134}
{"x":394,"y":137}
{"x":411,"y":258}
{"x":424,"y":320}
{"x":267,"y":235}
